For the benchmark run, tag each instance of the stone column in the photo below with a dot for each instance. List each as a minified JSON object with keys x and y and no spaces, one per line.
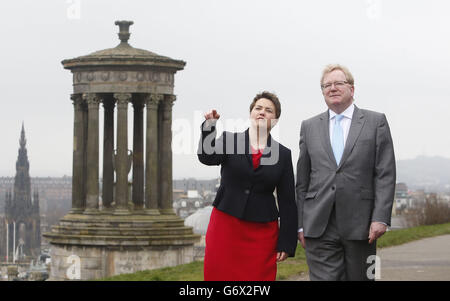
{"x":165,"y":153}
{"x":108,"y":152}
{"x":85,"y":152}
{"x":121,"y":158}
{"x":151,"y":167}
{"x":138,"y":155}
{"x":7,"y":240}
{"x":92,"y":191}
{"x":78,"y":180}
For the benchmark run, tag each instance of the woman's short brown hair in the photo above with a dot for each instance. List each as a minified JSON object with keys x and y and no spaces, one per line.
{"x":270,"y":96}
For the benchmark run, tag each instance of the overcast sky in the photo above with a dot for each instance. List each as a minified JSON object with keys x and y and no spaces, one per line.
{"x":398,"y":52}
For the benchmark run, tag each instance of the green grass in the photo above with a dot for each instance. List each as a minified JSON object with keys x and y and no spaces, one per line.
{"x":184,"y":272}
{"x":398,"y":237}
{"x":293,"y":265}
{"x":290,"y":267}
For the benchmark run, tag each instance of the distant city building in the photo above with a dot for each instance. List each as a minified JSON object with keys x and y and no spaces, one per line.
{"x":55,"y":197}
{"x":191,"y":202}
{"x":190,"y":195}
{"x":402,"y":199}
{"x":406,"y":200}
{"x":418,"y":197}
{"x":193,"y":184}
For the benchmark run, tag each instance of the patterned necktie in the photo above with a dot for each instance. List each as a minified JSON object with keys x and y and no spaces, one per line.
{"x":338,"y":138}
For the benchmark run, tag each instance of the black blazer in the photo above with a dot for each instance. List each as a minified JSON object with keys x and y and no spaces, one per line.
{"x":246,"y":193}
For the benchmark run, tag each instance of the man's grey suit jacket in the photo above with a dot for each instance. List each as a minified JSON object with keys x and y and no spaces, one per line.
{"x":362,"y":187}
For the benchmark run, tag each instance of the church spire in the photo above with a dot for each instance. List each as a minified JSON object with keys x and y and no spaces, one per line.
{"x":22,"y":160}
{"x":23,"y":140}
{"x":22,"y":191}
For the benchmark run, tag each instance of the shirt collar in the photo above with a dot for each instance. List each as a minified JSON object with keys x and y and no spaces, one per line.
{"x":347,"y":113}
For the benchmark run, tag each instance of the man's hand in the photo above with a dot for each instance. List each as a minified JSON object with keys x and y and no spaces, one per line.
{"x":301,"y":238}
{"x":376,"y":230}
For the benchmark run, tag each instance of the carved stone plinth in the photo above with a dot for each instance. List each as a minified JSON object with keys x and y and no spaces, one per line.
{"x":113,"y":245}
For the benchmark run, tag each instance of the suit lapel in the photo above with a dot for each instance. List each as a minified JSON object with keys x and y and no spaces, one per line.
{"x":272,"y":149}
{"x":325,"y":136}
{"x":267,"y":152}
{"x":248,"y":152}
{"x":353,"y":134}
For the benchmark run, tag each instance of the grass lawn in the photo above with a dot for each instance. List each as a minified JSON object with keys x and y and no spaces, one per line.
{"x":398,"y":237}
{"x":291,"y":266}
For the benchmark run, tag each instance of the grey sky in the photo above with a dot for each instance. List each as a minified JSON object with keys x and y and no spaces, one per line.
{"x":398,"y":52}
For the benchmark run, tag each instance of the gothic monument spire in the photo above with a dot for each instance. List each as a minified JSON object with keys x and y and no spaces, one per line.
{"x":22,"y":215}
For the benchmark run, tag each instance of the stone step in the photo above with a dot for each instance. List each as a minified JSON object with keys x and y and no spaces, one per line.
{"x":117,"y":231}
{"x":97,"y":240}
{"x":124,"y":225}
{"x":122,"y":221}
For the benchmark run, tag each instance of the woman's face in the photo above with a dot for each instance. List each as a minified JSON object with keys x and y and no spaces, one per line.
{"x":263,"y":114}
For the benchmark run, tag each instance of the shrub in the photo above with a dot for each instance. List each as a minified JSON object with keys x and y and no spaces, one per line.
{"x":431,"y":212}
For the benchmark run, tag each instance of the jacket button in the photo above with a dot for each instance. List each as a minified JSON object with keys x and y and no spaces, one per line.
{"x":247,"y":191}
{"x":333,"y":187}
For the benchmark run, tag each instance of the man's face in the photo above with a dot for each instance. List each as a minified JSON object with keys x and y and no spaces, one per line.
{"x":338,"y":96}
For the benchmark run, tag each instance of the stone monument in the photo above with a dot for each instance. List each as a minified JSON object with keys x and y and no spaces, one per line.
{"x":22,"y":235}
{"x":118,"y":235}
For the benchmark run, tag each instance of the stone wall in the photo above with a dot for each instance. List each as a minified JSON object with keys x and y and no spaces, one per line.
{"x":99,"y":262}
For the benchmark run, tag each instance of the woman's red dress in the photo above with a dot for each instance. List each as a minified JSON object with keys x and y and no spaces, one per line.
{"x":238,"y":250}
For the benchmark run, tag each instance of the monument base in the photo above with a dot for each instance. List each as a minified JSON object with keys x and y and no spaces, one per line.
{"x":87,"y":247}
{"x":88,"y":263}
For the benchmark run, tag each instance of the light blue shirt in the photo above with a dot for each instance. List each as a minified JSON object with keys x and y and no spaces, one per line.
{"x":345,"y":122}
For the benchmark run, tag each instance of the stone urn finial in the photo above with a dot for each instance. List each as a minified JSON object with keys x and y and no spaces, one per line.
{"x":124,"y":30}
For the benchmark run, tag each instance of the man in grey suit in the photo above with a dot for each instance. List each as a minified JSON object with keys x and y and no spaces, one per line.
{"x":345,"y":183}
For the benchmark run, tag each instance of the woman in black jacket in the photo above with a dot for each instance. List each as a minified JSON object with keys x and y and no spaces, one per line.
{"x":245,"y":240}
